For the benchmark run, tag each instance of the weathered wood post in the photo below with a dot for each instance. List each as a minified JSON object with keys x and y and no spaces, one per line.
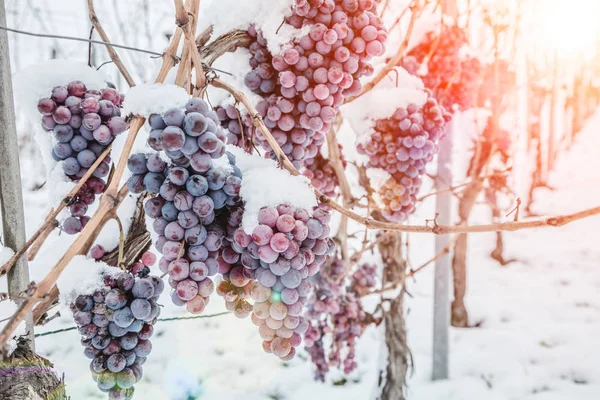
{"x":11,"y":199}
{"x":443,"y":266}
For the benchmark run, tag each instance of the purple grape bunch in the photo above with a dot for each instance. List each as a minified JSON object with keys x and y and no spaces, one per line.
{"x":186,"y":214}
{"x":83,"y":122}
{"x":335,"y":309}
{"x":189,"y":137}
{"x":304,"y":85}
{"x":271,"y":267}
{"x":402,"y":145}
{"x":116,"y":323}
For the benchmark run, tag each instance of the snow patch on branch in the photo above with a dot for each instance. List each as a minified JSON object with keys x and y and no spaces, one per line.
{"x":82,"y":276}
{"x":149,"y":98}
{"x":265,"y":184}
{"x":267,"y":15}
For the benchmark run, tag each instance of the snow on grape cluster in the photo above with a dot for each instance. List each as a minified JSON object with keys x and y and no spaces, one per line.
{"x":451,"y":74}
{"x":83,"y":122}
{"x":402,"y":145}
{"x":116,"y":323}
{"x":304,"y":85}
{"x":335,"y":309}
{"x":282,"y":252}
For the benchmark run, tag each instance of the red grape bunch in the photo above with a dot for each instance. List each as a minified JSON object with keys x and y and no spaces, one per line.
{"x":402,"y":145}
{"x":189,"y":137}
{"x":452,"y":75}
{"x":304,"y":85}
{"x":116,"y":323}
{"x":83,"y":122}
{"x":335,"y":310}
{"x":282,"y":252}
{"x":185,"y":214}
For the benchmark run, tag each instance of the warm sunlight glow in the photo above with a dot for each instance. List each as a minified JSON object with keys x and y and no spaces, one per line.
{"x":567,"y":27}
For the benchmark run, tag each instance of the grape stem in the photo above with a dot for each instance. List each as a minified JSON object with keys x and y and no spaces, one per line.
{"x":372,"y":223}
{"x":121,"y":242}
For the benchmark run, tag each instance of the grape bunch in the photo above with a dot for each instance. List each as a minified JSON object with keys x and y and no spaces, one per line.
{"x":303,"y":86}
{"x":335,"y":310}
{"x":451,"y":74}
{"x":402,"y":145}
{"x":83,"y":122}
{"x":185,"y":213}
{"x":116,"y":323}
{"x":322,"y":174}
{"x":239,"y":128}
{"x":189,"y":137}
{"x":282,"y":252}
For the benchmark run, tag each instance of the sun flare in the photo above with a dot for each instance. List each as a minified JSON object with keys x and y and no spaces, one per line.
{"x":567,"y":27}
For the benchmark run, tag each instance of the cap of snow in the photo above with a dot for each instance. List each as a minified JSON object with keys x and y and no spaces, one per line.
{"x":150,"y":98}
{"x":37,"y":81}
{"x":398,"y":89}
{"x":265,"y":184}
{"x":82,"y":276}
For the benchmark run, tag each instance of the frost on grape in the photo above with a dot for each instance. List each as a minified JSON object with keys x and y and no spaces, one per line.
{"x":82,"y":276}
{"x":264,"y":184}
{"x":146,"y":99}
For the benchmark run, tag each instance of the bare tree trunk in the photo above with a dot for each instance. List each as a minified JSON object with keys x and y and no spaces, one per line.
{"x":27,"y":376}
{"x":393,"y":379}
{"x":460,"y":316}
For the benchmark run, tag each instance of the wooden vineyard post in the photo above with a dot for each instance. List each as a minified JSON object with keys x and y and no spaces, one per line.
{"x":11,"y":199}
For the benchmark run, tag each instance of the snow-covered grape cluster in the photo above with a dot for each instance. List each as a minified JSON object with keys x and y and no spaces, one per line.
{"x":322,"y":174}
{"x":83,"y":122}
{"x":282,"y":252}
{"x":402,"y":145}
{"x":335,"y":309}
{"x":116,"y":323}
{"x":452,"y":74}
{"x":304,"y":85}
